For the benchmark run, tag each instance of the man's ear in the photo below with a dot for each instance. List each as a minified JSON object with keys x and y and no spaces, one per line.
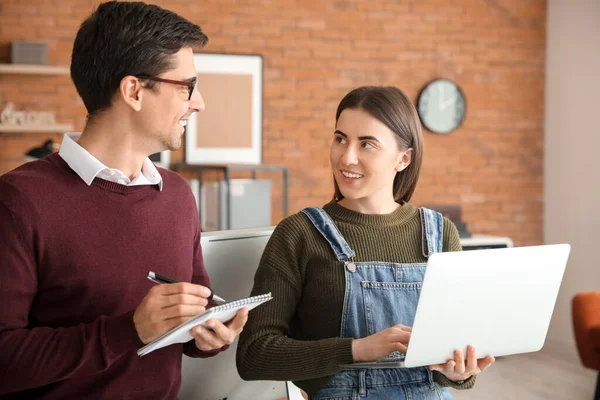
{"x":130,"y":90}
{"x":404,"y":160}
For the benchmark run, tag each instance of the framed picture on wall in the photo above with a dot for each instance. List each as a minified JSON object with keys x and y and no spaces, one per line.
{"x":229,"y":130}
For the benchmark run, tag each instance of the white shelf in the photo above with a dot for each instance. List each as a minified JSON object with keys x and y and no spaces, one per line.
{"x":34,"y":69}
{"x":59,"y":128}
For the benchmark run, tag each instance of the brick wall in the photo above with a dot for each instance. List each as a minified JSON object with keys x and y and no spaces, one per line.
{"x":316,"y":51}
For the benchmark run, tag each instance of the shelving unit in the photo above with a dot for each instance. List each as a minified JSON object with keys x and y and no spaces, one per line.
{"x":227,"y":169}
{"x":26,"y":69}
{"x":59,"y":128}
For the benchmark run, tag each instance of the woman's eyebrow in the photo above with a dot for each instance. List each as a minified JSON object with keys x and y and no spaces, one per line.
{"x":359,"y":138}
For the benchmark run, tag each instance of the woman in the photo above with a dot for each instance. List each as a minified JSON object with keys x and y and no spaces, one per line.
{"x":346,"y":278}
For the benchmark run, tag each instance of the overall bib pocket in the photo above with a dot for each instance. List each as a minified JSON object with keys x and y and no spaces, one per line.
{"x":389,"y":303}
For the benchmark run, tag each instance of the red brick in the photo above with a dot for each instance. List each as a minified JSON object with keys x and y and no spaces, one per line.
{"x":314,"y":53}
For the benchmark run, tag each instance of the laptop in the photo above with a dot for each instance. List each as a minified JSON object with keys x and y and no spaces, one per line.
{"x":499,"y":300}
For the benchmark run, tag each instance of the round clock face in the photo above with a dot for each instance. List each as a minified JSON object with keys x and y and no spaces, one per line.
{"x":441,"y":106}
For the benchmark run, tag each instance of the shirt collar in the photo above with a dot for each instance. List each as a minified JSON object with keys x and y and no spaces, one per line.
{"x":149,"y":175}
{"x":88,"y":167}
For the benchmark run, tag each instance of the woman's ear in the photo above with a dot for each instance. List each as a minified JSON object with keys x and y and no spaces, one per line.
{"x":404,"y":160}
{"x":130,"y":90}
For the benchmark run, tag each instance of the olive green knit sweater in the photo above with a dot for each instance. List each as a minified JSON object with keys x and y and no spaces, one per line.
{"x":295,"y":336}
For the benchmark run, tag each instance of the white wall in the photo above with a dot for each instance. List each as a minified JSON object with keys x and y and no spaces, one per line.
{"x":572,"y":149}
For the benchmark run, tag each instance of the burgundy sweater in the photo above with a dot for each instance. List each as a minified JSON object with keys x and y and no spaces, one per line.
{"x":73,"y":266}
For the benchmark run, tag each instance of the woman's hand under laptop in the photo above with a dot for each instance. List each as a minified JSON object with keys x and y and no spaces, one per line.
{"x":381,"y":344}
{"x":460,"y":368}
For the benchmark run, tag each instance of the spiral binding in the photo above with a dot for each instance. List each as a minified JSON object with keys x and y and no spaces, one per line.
{"x":242,"y":302}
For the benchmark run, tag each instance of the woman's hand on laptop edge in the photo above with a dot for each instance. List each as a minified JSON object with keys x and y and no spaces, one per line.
{"x":460,"y":368}
{"x":381,"y":344}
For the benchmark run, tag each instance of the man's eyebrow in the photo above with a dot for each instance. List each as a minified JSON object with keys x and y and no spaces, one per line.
{"x":191,"y":80}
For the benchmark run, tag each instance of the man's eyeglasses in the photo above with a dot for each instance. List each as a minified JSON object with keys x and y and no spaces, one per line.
{"x":189,"y":84}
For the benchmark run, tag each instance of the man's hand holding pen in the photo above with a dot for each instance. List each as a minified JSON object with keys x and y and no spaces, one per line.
{"x":168,"y":305}
{"x":157,"y":278}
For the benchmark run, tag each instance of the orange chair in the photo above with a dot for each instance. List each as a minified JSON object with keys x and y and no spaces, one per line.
{"x":586,"y":323}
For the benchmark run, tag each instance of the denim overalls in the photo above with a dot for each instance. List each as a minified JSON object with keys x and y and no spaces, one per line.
{"x":379,"y":295}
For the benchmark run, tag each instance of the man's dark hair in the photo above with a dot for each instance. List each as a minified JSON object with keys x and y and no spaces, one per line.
{"x":126,"y":38}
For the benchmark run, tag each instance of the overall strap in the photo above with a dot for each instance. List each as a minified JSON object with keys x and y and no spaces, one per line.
{"x":325,"y":225}
{"x":432,"y":224}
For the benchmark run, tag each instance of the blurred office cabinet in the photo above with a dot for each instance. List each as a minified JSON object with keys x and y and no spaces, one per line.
{"x":235,"y":204}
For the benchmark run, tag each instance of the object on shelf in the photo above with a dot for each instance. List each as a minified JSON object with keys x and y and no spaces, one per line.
{"x":225,"y":204}
{"x":29,"y":121}
{"x":480,"y":242}
{"x":454,"y":213}
{"x":12,"y":117}
{"x":33,"y":69}
{"x":35,"y":153}
{"x":227,"y":170}
{"x":28,"y":53}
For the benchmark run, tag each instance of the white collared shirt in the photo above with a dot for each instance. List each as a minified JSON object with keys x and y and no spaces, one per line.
{"x":89,"y":167}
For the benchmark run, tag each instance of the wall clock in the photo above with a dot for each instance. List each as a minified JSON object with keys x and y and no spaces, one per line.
{"x":441,"y":106}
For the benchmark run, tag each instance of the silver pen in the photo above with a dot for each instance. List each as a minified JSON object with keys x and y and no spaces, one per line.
{"x":157,"y":278}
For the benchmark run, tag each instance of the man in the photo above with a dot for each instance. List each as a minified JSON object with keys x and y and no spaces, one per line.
{"x":79,"y":230}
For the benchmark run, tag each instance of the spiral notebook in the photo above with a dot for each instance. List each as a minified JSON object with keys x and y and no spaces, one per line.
{"x":223,"y":313}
